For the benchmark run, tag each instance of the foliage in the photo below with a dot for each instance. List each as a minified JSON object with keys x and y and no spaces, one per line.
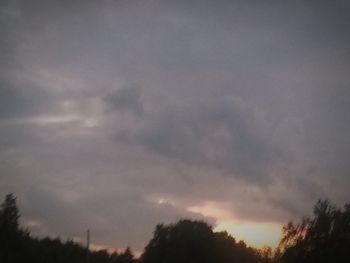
{"x":16,"y":245}
{"x":323,"y":238}
{"x":9,"y":214}
{"x":195,"y":242}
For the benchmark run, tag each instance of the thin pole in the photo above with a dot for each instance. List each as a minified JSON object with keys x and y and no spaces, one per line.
{"x":88,"y":246}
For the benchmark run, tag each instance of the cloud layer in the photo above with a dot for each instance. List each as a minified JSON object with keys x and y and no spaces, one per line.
{"x":118,"y":115}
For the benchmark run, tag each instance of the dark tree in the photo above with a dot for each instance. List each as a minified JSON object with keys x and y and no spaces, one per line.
{"x":323,"y":238}
{"x":185,"y":241}
{"x":230,"y":251}
{"x":9,"y":230}
{"x":126,"y":256}
{"x":9,"y":215}
{"x":17,"y":246}
{"x":195,"y":242}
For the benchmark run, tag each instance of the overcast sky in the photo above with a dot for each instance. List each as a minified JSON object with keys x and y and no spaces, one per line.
{"x":118,"y":115}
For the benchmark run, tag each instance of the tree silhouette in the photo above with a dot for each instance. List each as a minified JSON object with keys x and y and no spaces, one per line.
{"x":230,"y":251}
{"x":185,"y":241}
{"x":9,"y":215}
{"x":9,"y":229}
{"x":17,"y":246}
{"x":323,"y":238}
{"x":126,"y":256}
{"x":194,"y":241}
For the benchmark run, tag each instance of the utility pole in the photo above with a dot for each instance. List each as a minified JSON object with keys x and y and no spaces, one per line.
{"x":88,"y":246}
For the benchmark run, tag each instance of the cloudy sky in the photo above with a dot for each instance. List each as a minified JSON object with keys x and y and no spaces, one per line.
{"x":118,"y":115}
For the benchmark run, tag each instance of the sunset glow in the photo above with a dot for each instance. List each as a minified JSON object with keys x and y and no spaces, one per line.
{"x":256,"y":234}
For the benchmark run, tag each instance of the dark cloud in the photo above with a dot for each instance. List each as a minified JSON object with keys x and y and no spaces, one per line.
{"x":222,"y":134}
{"x":127,"y":99}
{"x":22,"y":102}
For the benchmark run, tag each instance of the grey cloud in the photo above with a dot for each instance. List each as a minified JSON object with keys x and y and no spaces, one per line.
{"x":113,"y":222}
{"x":127,"y":99}
{"x":21,"y":102}
{"x":221,"y":134}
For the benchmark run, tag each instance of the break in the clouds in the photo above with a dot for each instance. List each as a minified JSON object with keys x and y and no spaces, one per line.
{"x":118,"y":115}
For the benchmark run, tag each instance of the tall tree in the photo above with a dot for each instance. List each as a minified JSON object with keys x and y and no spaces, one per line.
{"x":9,"y":214}
{"x":323,"y":238}
{"x":9,"y":230}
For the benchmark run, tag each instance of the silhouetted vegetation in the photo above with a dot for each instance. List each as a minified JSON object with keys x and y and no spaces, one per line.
{"x":323,"y":238}
{"x":195,"y":242}
{"x":16,"y":244}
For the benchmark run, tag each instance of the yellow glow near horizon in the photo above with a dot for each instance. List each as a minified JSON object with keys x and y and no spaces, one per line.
{"x":255,"y":234}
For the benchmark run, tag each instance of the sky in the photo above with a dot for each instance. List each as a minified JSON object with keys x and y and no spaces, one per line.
{"x":117,"y":115}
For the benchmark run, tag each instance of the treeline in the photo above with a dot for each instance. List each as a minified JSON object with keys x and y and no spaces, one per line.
{"x":18,"y":246}
{"x":324,"y":238}
{"x":194,"y":241}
